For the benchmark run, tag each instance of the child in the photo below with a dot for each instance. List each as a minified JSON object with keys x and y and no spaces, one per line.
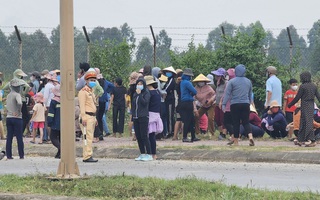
{"x":307,"y":92}
{"x":54,"y":119}
{"x":38,"y":117}
{"x":119,"y":104}
{"x":288,"y":97}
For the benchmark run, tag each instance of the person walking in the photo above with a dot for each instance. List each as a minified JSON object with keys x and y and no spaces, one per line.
{"x":88,"y":109}
{"x":188,"y":107}
{"x":140,"y":115}
{"x":307,"y":92}
{"x":14,"y":121}
{"x":239,"y":92}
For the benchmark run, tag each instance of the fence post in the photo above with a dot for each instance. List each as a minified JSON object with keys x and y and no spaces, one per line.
{"x":154,"y":46}
{"x":222,"y":30}
{"x":20,"y":45}
{"x":88,"y":42}
{"x":291,"y":47}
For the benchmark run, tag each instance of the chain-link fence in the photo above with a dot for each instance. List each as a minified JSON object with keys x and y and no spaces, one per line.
{"x":40,"y":49}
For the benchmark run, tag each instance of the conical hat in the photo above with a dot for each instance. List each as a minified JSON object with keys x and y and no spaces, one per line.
{"x":201,"y":78}
{"x":170,"y":69}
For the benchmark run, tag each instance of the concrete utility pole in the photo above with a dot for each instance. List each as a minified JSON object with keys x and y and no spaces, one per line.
{"x":68,"y":168}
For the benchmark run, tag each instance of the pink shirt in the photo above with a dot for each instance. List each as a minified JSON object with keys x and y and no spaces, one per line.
{"x":205,"y":93}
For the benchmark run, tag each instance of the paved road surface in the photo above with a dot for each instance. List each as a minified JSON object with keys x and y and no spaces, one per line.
{"x":288,"y":177}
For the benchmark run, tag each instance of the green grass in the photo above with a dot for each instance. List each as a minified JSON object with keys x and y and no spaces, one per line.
{"x":131,"y":187}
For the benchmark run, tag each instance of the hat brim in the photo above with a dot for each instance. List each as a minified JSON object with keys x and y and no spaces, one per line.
{"x":150,"y":82}
{"x":188,"y":74}
{"x":201,"y":80}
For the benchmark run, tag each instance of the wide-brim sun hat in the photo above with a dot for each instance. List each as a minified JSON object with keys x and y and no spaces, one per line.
{"x":253,"y":109}
{"x":16,"y":82}
{"x":149,"y":80}
{"x":219,"y":72}
{"x":179,"y":71}
{"x":39,"y":97}
{"x":19,"y":72}
{"x":133,"y":77}
{"x":170,"y":69}
{"x":52,"y":76}
{"x":201,"y":78}
{"x":274,"y":104}
{"x":188,"y":72}
{"x":163,"y":78}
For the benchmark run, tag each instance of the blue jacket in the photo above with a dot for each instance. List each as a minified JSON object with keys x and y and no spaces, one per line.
{"x":187,"y":90}
{"x":107,"y":88}
{"x":239,"y":89}
{"x":54,"y":115}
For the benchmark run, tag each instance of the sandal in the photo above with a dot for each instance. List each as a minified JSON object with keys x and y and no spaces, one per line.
{"x":33,"y":142}
{"x":230,"y":143}
{"x":251,"y":142}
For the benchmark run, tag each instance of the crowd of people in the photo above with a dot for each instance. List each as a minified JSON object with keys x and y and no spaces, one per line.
{"x":161,"y":103}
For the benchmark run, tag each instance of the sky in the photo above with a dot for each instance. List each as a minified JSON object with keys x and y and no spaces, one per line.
{"x":180,"y":18}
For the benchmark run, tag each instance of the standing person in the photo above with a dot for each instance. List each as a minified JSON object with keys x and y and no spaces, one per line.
{"x":118,"y":101}
{"x":14,"y":118}
{"x":88,"y":109}
{"x":132,"y":87}
{"x":206,"y":97}
{"x":155,"y":123}
{"x":48,"y":95}
{"x":24,"y":89}
{"x":38,"y":117}
{"x":289,"y":95}
{"x":170,"y":101}
{"x":2,"y":135}
{"x":81,"y":82}
{"x":54,"y":119}
{"x":140,"y":115}
{"x":188,"y":108}
{"x":105,"y":118}
{"x":35,"y":80}
{"x":107,"y":88}
{"x":273,"y":87}
{"x":177,"y":93}
{"x":307,"y":92}
{"x":221,"y":83}
{"x":239,"y":92}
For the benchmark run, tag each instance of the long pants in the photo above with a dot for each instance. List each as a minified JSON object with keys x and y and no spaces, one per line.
{"x":153,"y":143}
{"x":256,"y":131}
{"x":228,"y":123}
{"x":279,"y":131}
{"x":55,"y":138}
{"x":187,"y":117}
{"x":100,"y":113}
{"x":218,"y":116}
{"x":14,"y":128}
{"x":170,"y":116}
{"x":118,"y":113}
{"x":25,"y":116}
{"x":88,"y":136}
{"x":47,"y":129}
{"x":141,"y":130}
{"x":240,"y":113}
{"x":163,"y":115}
{"x":105,"y":123}
{"x":210,"y":112}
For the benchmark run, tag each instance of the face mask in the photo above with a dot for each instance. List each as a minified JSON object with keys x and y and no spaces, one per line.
{"x":168,"y":74}
{"x":91,"y":84}
{"x":162,"y":84}
{"x":201,"y":84}
{"x":315,"y":112}
{"x":140,"y":87}
{"x":294,"y":88}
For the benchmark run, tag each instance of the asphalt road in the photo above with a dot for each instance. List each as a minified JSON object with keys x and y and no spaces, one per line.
{"x":287,"y":177}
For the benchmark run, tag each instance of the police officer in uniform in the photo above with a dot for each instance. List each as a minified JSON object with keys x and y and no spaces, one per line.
{"x":87,"y":102}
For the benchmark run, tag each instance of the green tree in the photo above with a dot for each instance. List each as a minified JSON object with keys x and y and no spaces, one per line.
{"x":314,"y":47}
{"x":7,"y":62}
{"x":215,"y":36}
{"x":113,"y":59}
{"x":144,"y":54}
{"x":163,"y":48}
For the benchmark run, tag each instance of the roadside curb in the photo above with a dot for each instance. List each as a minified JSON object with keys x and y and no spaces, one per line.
{"x":192,"y":154}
